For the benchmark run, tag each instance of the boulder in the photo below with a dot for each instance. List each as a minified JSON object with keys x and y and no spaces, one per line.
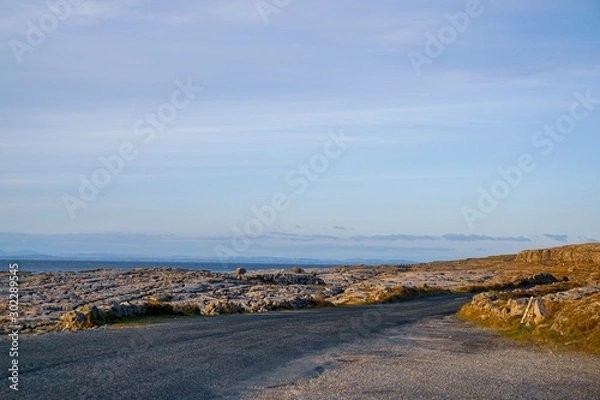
{"x":81,"y":318}
{"x":71,"y":320}
{"x":539,"y":310}
{"x":516,"y":307}
{"x":542,"y":279}
{"x":290,"y":279}
{"x":211,"y":309}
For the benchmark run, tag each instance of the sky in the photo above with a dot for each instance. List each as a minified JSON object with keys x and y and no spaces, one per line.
{"x":416,"y":130}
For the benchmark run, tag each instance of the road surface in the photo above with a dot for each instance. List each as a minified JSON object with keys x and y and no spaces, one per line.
{"x":279,"y":355}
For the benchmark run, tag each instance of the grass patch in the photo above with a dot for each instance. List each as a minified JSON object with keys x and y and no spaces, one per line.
{"x":401,"y":293}
{"x":320,"y":301}
{"x":143,"y":320}
{"x":573,"y":324}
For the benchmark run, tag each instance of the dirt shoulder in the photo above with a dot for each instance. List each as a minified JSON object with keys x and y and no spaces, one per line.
{"x":441,"y":358}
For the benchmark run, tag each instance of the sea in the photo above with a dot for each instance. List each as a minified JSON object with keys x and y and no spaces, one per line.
{"x":82,"y":265}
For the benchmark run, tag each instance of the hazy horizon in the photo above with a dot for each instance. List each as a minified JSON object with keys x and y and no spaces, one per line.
{"x":414,"y":248}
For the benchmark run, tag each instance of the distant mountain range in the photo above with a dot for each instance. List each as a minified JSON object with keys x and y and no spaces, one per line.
{"x":27,"y":254}
{"x":32,"y":255}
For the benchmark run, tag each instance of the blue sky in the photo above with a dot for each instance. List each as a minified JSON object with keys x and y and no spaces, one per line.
{"x":277,"y":83}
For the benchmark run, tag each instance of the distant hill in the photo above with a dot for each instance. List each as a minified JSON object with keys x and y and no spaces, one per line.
{"x":25,"y":254}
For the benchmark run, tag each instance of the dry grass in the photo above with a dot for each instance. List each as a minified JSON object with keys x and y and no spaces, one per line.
{"x":155,"y":308}
{"x":142,"y":320}
{"x":506,"y":268}
{"x":537,"y":291}
{"x":320,"y":301}
{"x":400,"y":293}
{"x":572,"y":324}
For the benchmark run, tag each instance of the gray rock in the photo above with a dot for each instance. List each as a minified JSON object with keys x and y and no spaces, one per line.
{"x":516,"y":307}
{"x":539,"y":310}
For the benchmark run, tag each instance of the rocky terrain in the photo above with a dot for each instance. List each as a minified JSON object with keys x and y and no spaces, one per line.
{"x":88,"y":299}
{"x":71,"y":300}
{"x":75,"y":300}
{"x":566,"y":312}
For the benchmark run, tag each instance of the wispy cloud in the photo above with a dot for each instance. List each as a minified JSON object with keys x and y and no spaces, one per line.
{"x":91,"y":11}
{"x":399,"y":236}
{"x":14,"y":24}
{"x":459,"y":237}
{"x":339,"y":228}
{"x":305,"y":237}
{"x":451,"y":237}
{"x":588,"y":239}
{"x":401,"y":177}
{"x":557,"y":237}
{"x":31,"y":181}
{"x":236,"y":11}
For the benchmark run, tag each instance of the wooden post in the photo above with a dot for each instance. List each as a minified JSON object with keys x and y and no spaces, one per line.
{"x":527,"y":309}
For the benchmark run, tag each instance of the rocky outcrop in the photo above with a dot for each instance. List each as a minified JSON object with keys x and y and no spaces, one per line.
{"x":543,"y":278}
{"x":87,"y":316}
{"x":83,"y":317}
{"x":574,"y":294}
{"x":288,"y":279}
{"x":489,"y":305}
{"x":584,"y":253}
{"x":529,"y":309}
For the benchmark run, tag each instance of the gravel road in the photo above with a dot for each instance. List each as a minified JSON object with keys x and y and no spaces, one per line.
{"x":407,"y":350}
